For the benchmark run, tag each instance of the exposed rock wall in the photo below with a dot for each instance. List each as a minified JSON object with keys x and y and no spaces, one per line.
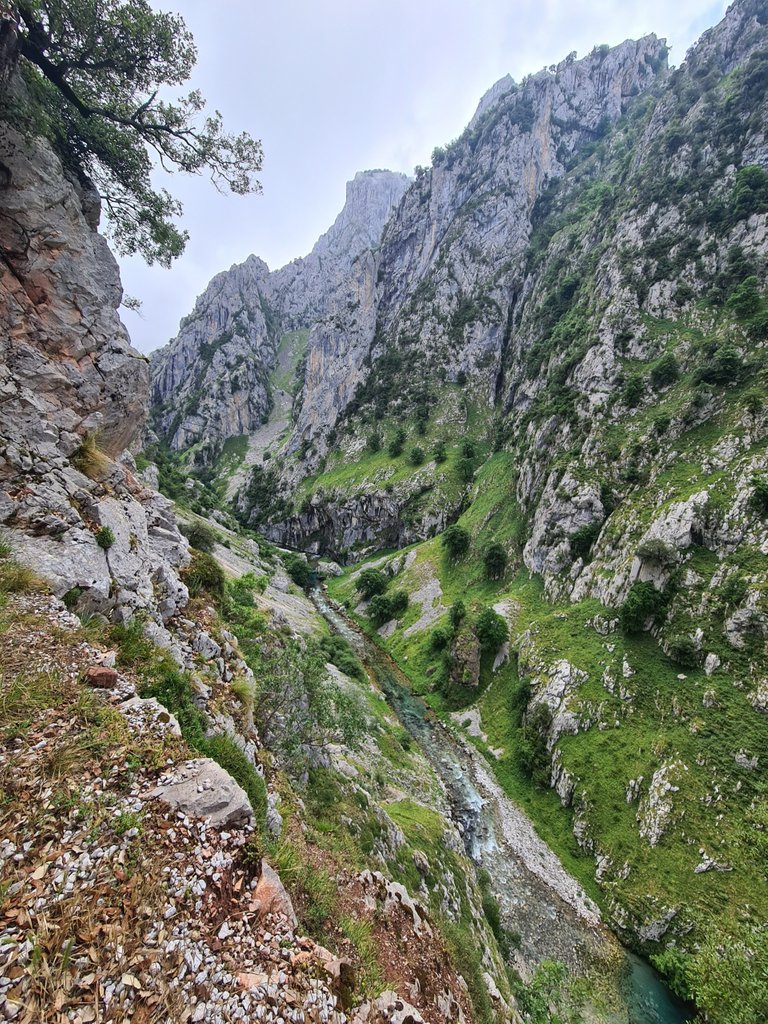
{"x":73,"y":393}
{"x":211,"y":381}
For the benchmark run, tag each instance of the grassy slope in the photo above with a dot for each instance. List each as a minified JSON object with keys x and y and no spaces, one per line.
{"x":720,"y":805}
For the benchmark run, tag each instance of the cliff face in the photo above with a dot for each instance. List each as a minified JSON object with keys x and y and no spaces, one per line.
{"x":212,"y":381}
{"x":73,"y":398}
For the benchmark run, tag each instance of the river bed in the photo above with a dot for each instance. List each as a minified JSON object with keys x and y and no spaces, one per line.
{"x":539,"y":901}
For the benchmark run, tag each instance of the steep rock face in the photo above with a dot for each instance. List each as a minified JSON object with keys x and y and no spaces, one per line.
{"x":211,"y":381}
{"x":73,"y":393}
{"x":451,"y":256}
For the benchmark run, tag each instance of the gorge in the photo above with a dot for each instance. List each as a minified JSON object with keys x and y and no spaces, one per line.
{"x":392,"y":646}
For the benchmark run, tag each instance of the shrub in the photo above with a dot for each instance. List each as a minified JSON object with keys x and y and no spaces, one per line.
{"x":665,"y":371}
{"x":683,"y":650}
{"x":398,"y":602}
{"x":758,"y":500}
{"x":439,"y":452}
{"x":456,"y":541}
{"x":457,"y":613}
{"x":633,"y":390}
{"x":397,"y":444}
{"x":495,"y":561}
{"x":439,"y":638}
{"x":642,"y":602}
{"x":657,"y":551}
{"x":750,"y":192}
{"x":371,"y":582}
{"x":468,"y":450}
{"x":465,"y":470}
{"x":745,"y":300}
{"x":374,"y":442}
{"x":205,"y":576}
{"x":724,"y":367}
{"x":491,"y":630}
{"x":298,"y":569}
{"x":339,"y":652}
{"x":199,"y":536}
{"x":105,"y":537}
{"x":380,"y":609}
{"x":582,"y":540}
{"x":416,"y":456}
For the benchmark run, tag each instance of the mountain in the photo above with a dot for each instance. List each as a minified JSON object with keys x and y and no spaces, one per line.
{"x":212,"y":381}
{"x":545,"y":390}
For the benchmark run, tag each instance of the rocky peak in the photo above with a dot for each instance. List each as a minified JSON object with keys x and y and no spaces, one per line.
{"x":212,"y":381}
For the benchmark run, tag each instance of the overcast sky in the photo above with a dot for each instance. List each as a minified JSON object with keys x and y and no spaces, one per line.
{"x":339,"y":86}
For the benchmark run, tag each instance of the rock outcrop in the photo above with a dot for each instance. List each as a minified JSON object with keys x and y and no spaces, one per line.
{"x":73,"y":399}
{"x":212,"y":381}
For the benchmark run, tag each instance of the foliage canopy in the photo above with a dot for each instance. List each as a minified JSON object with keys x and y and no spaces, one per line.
{"x":93,"y":74}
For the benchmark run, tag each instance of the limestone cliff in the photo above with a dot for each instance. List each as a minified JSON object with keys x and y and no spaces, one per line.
{"x":73,"y":398}
{"x":212,"y":381}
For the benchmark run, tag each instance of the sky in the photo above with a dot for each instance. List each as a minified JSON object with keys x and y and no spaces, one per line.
{"x":339,"y":86}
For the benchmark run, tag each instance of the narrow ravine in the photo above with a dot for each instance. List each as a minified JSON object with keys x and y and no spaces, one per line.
{"x":539,"y":901}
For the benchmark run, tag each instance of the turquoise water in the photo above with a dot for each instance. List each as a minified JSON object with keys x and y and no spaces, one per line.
{"x":649,"y":1001}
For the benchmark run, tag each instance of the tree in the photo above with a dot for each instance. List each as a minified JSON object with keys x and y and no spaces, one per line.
{"x":491,"y":629}
{"x":416,"y":455}
{"x":495,"y":561}
{"x":457,"y":613}
{"x":371,"y":582}
{"x":456,"y":541}
{"x":93,"y":74}
{"x":397,"y":443}
{"x":439,"y":452}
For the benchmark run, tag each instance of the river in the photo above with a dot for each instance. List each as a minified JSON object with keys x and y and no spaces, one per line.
{"x":538,"y":899}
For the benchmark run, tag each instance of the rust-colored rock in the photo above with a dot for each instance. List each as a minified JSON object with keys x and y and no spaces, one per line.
{"x":272,"y":897}
{"x":100,"y":676}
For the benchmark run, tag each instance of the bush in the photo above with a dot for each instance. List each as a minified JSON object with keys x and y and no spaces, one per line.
{"x":371,"y":582}
{"x":468,"y":450}
{"x":665,"y":371}
{"x":298,"y":569}
{"x":380,"y":609}
{"x":495,"y":561}
{"x":205,"y":576}
{"x":491,"y":630}
{"x":683,"y":650}
{"x":105,"y":537}
{"x":339,"y":652}
{"x":758,"y":500}
{"x":745,"y":300}
{"x":397,"y":444}
{"x":657,"y":551}
{"x":439,"y":452}
{"x":457,"y":613}
{"x":456,"y":541}
{"x":398,"y":602}
{"x":633,"y":390}
{"x":724,"y":367}
{"x":416,"y":456}
{"x":465,"y":470}
{"x":582,"y":540}
{"x":374,"y":442}
{"x":439,"y":639}
{"x":199,"y":536}
{"x":643,"y":602}
{"x":750,"y":192}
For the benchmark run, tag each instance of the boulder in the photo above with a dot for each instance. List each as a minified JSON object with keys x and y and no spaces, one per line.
{"x":272,"y":897}
{"x":202,"y":789}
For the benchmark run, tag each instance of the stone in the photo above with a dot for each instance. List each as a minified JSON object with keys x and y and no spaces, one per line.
{"x":202,"y":789}
{"x":272,"y":896}
{"x":100,"y":676}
